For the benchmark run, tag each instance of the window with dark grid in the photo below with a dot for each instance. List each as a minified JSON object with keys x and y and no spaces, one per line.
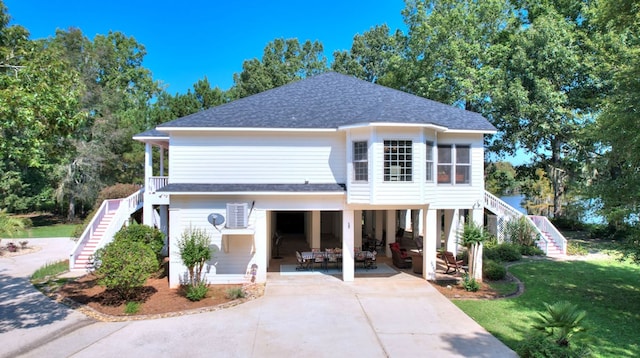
{"x":360,"y":161}
{"x":398,"y":158}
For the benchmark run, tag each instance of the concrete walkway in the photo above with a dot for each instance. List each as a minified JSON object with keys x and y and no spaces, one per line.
{"x":397,"y":316}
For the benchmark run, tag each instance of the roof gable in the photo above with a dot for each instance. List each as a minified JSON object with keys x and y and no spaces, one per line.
{"x":330,"y":101}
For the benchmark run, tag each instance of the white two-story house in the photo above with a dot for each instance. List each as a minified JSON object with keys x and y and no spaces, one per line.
{"x":340,"y":156}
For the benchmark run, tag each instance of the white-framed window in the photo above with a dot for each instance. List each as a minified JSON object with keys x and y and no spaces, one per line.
{"x":454,"y":164}
{"x":398,"y":160}
{"x":463,"y":164}
{"x":360,"y":161}
{"x":429,"y":162}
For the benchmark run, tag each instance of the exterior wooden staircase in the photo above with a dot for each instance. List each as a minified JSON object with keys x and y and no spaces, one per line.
{"x":109,"y":218}
{"x":551,"y":241}
{"x":85,"y":259}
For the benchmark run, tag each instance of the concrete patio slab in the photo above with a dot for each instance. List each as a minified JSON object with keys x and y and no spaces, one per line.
{"x":396,"y":316}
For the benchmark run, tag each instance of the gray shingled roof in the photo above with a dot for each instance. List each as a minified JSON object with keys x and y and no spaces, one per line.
{"x":330,"y":100}
{"x":227,"y":188}
{"x":151,"y":133}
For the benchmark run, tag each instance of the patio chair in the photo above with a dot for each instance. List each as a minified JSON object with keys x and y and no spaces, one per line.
{"x":318,"y":257}
{"x":399,"y":256}
{"x":453,"y":265}
{"x":303,"y":265}
{"x":332,"y":257}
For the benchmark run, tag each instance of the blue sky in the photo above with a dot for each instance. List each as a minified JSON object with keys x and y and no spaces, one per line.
{"x":186,"y":41}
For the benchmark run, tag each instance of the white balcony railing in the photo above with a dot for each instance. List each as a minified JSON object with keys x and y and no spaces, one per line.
{"x":156,"y":183}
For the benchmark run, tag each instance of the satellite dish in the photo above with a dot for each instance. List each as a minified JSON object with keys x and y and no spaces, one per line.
{"x":215,"y":219}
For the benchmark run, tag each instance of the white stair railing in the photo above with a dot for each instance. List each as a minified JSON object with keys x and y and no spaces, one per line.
{"x":505,"y":213}
{"x":545,"y":225}
{"x":123,"y":207}
{"x":87,"y":234}
{"x":128,"y":206}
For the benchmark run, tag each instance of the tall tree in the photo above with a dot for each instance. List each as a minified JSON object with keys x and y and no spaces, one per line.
{"x":117,"y":97}
{"x":449,"y":49}
{"x":283,"y":61}
{"x":371,"y":56}
{"x":616,"y":164}
{"x":39,"y":93}
{"x":545,"y":81}
{"x":168,"y":107}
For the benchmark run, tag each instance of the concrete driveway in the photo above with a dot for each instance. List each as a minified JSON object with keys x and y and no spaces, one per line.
{"x":320,"y":316}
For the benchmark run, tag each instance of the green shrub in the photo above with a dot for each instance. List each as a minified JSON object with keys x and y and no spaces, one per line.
{"x":504,"y":252}
{"x":235,"y":293}
{"x":195,"y":252}
{"x":196,"y":291}
{"x":508,"y":252}
{"x":124,"y":266}
{"x":520,"y":231}
{"x":531,"y":251}
{"x":576,"y":249}
{"x":491,"y":241}
{"x":565,"y":223}
{"x":493,"y":271}
{"x":470,"y":283}
{"x":147,"y":235}
{"x":538,"y":345}
{"x":11,"y":225}
{"x":561,"y":320}
{"x":132,"y":307}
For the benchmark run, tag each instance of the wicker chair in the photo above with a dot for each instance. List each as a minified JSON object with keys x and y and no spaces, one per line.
{"x":399,"y":256}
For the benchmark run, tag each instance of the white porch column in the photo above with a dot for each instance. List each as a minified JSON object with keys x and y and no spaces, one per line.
{"x":315,"y":229}
{"x":347,"y":246}
{"x":161,"y":161}
{"x":260,"y":242}
{"x":439,"y":223}
{"x":452,"y":233}
{"x":477,"y":215}
{"x":429,"y":245}
{"x":391,"y":231}
{"x":147,"y":208}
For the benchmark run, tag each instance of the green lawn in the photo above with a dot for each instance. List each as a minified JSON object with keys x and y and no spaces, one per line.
{"x":608,"y":290}
{"x":57,"y":230}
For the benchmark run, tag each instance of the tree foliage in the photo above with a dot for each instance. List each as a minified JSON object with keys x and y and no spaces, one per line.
{"x":194,"y":251}
{"x":558,"y":78}
{"x":500,"y":178}
{"x":371,"y":56}
{"x":283,"y":61}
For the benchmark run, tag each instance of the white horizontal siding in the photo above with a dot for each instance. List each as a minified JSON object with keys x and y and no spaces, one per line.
{"x":461,"y":196}
{"x":228,"y":263}
{"x":359,"y":193}
{"x":257,"y":159}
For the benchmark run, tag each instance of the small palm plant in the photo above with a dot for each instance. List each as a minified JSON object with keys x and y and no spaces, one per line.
{"x":9,"y":225}
{"x":472,"y":237}
{"x":561,"y":321}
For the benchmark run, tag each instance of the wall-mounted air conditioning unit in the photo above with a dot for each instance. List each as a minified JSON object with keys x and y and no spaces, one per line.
{"x":237,"y":215}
